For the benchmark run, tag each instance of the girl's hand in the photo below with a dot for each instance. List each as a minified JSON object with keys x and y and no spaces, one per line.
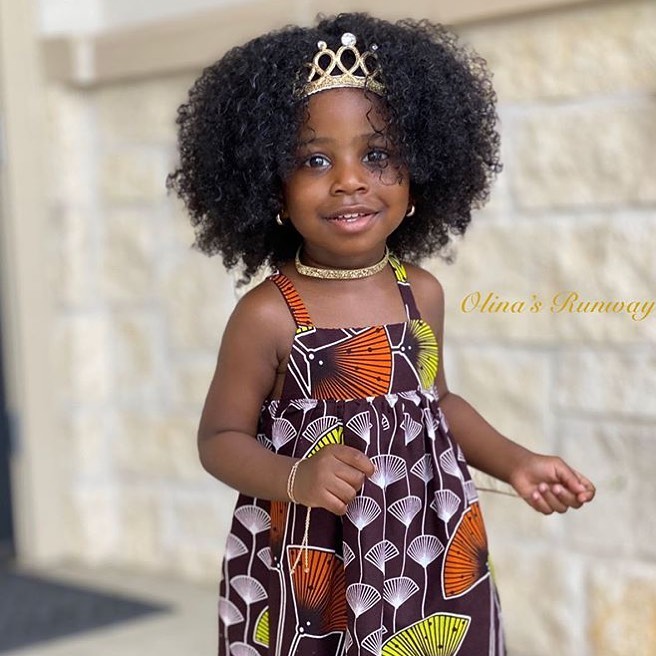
{"x":549,"y":484}
{"x":331,"y":478}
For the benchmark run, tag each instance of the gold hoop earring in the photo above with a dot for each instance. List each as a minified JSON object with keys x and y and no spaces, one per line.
{"x":279,"y":220}
{"x":411,"y":211}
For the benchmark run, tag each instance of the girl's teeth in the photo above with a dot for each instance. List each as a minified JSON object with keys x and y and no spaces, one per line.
{"x":348,"y":217}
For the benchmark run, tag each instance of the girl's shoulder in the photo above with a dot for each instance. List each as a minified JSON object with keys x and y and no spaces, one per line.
{"x":422,"y":280}
{"x":428,"y":292}
{"x":261,"y":315}
{"x":263,"y":303}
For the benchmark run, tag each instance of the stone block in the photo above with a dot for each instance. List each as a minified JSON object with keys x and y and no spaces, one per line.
{"x":138,"y":354}
{"x":617,"y":249}
{"x":97,"y":505}
{"x":198,"y":518}
{"x":197,"y":564}
{"x":133,"y":175}
{"x":549,"y":259}
{"x":602,"y":450}
{"x":88,"y":435}
{"x":498,"y":261}
{"x":190,"y":382}
{"x":510,"y":520}
{"x":178,"y":233}
{"x":199,"y":296}
{"x":128,"y":255}
{"x":74,"y":275}
{"x":510,"y":388}
{"x":622,"y":615}
{"x":140,"y":530}
{"x":141,"y":111}
{"x":82,"y":359}
{"x":156,"y":447}
{"x":542,"y":599}
{"x":585,"y":156}
{"x":642,"y":457}
{"x":71,"y":128}
{"x":72,"y":539}
{"x":607,"y":382}
{"x":544,"y":55}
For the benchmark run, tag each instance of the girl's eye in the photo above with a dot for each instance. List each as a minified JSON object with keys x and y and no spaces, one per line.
{"x":376,"y":156}
{"x":316,"y":161}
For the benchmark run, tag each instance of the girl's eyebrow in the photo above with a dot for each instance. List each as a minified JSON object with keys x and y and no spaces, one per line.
{"x":362,"y":137}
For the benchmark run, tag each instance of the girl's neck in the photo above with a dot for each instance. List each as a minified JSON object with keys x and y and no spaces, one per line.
{"x":334,"y":264}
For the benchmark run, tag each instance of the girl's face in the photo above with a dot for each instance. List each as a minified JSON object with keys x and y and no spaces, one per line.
{"x":347,"y":192}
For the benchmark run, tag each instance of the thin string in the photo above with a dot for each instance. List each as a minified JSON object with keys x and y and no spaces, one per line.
{"x":489,"y":489}
{"x":304,"y":545}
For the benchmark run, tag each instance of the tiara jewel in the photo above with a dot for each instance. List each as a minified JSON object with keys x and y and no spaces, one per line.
{"x":345,"y":68}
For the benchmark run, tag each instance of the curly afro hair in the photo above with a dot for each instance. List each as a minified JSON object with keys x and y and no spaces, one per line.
{"x":238,"y":131}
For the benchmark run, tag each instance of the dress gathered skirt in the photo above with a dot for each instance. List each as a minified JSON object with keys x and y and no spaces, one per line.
{"x":405,"y":571}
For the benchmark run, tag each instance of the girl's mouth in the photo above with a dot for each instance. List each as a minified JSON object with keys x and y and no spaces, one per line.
{"x":351,"y":218}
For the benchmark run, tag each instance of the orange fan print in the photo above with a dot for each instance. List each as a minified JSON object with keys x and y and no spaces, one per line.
{"x":278,"y":513}
{"x":352,"y":368}
{"x":319,"y":593}
{"x":465,"y":559}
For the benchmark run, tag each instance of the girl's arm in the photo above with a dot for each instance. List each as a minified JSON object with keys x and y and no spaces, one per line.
{"x":546,"y":482}
{"x":245,"y":374}
{"x":256,"y":340}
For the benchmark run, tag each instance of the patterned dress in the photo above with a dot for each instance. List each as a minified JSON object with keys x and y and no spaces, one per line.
{"x":405,"y":572}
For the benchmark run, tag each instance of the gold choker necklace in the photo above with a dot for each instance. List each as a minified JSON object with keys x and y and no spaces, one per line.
{"x":340,"y":274}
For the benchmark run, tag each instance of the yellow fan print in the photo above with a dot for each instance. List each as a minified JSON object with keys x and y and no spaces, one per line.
{"x":440,"y":634}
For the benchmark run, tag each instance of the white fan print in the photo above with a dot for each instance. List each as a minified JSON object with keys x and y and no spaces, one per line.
{"x":362,"y":511}
{"x":446,"y":504}
{"x":405,"y":509}
{"x":282,"y":432}
{"x":361,"y":426}
{"x":424,"y":549}
{"x":229,"y":613}
{"x":248,"y":588}
{"x":234,"y":547}
{"x":380,"y":553}
{"x":389,"y":469}
{"x":317,"y":428}
{"x":423,"y":468}
{"x":361,"y":597}
{"x":253,"y":518}
{"x":411,"y":428}
{"x":449,"y":463}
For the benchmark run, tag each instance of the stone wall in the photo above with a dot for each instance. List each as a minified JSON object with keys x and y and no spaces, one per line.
{"x":573,"y":211}
{"x":140,"y":317}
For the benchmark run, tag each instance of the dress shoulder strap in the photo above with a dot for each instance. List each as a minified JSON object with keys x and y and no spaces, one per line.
{"x":411,"y":309}
{"x":294,"y":302}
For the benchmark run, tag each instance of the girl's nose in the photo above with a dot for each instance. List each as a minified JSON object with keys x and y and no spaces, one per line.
{"x":349,"y":178}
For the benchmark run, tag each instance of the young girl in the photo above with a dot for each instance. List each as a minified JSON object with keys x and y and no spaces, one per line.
{"x":338,"y":155}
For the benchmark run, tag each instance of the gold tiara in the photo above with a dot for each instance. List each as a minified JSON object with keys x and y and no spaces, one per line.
{"x":345,"y":68}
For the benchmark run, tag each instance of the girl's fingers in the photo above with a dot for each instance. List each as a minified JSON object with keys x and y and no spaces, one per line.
{"x":570,"y":479}
{"x":565,"y":496}
{"x":354,"y":458}
{"x":354,"y":477}
{"x":553,"y":501}
{"x":342,"y":490}
{"x":538,"y":502}
{"x":335,"y":505}
{"x":589,"y":489}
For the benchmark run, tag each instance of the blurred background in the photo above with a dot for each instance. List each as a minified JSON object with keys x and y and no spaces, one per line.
{"x":110,"y":322}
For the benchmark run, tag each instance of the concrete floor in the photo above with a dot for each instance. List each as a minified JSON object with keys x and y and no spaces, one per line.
{"x":190,"y":628}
